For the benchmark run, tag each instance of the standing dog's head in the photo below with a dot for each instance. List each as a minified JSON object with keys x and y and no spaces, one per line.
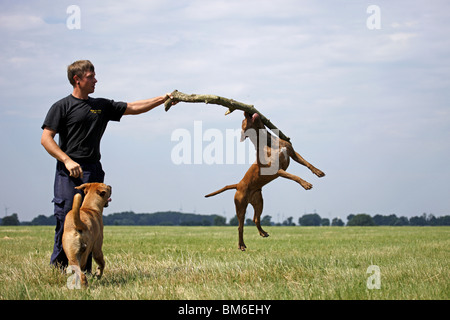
{"x":102,"y":190}
{"x":251,"y":122}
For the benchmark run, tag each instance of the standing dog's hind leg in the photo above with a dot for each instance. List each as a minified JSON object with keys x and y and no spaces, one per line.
{"x":98,"y":257}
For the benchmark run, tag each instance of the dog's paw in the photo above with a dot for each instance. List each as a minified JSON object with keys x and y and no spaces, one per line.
{"x":318,"y":172}
{"x":242,"y":247}
{"x":99,"y":273}
{"x":264,"y":234}
{"x":306,"y":185}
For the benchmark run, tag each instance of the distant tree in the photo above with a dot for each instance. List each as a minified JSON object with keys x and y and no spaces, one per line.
{"x":220,"y":221}
{"x":336,"y":222}
{"x":288,"y":222}
{"x":432,"y":220}
{"x":444,"y":221}
{"x":42,"y":220}
{"x":266,"y":221}
{"x":312,"y":219}
{"x":381,"y":220}
{"x":350,"y":217}
{"x":234,"y":221}
{"x":325,"y":222}
{"x":249,"y":222}
{"x":418,"y":221}
{"x":378,"y":219}
{"x":12,"y":220}
{"x":391,"y":220}
{"x":402,"y":221}
{"x":361,"y":219}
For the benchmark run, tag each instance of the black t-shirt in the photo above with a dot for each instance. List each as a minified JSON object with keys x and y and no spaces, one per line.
{"x":81,"y":124}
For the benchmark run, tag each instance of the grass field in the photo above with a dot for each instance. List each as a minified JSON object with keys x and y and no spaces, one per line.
{"x":204,"y":263}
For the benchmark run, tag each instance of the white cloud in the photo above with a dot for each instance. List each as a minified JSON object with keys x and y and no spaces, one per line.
{"x":20,"y":22}
{"x":402,"y":36}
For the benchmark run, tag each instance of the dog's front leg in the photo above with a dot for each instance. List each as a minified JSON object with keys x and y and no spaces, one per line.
{"x":306,"y":185}
{"x":298,"y":158}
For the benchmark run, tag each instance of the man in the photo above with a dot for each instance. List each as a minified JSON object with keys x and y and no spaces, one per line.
{"x":80,"y":122}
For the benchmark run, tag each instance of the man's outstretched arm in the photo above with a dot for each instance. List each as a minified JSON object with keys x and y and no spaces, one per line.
{"x":141,"y":106}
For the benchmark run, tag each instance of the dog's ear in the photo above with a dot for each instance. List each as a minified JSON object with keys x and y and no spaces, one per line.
{"x":83,"y":187}
{"x":251,"y":117}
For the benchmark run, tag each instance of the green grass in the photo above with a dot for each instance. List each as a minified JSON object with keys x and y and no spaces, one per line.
{"x":204,"y":263}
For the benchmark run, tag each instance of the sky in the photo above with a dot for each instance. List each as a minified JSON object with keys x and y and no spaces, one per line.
{"x":362,"y":91}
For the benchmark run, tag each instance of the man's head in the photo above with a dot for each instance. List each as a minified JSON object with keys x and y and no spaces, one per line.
{"x":82,"y":73}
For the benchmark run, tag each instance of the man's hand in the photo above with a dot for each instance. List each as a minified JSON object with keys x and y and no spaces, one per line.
{"x":73,"y":168}
{"x":169,"y":96}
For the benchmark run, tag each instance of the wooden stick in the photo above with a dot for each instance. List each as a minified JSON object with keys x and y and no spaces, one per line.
{"x":228,"y":103}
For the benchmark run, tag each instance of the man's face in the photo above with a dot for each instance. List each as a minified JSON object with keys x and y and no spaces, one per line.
{"x":87,"y":82}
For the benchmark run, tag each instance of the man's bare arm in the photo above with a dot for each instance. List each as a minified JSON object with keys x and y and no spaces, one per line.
{"x":48,"y":142}
{"x":141,"y":106}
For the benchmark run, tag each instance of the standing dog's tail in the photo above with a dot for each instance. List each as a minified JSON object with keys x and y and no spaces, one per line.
{"x":231,"y":186}
{"x":77,"y":199}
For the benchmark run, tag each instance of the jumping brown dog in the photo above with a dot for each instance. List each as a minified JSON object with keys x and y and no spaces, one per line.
{"x":272,"y":159}
{"x":83,"y":228}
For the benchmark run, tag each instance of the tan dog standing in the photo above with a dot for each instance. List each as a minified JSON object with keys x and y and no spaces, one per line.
{"x":272,"y":159}
{"x":83,"y":228}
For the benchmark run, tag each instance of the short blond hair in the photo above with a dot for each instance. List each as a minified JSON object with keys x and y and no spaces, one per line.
{"x":79,"y":68}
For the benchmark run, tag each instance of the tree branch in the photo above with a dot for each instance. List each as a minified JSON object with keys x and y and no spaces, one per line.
{"x":228,"y":103}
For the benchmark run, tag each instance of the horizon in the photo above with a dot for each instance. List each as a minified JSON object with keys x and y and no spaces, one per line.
{"x":227,"y":220}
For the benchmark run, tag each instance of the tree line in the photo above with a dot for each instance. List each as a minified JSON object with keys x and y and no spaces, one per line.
{"x":172,"y":218}
{"x":363,"y":219}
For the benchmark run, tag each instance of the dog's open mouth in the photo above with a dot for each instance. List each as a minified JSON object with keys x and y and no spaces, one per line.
{"x":107,"y":202}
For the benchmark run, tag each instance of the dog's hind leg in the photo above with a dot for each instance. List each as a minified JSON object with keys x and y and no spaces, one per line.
{"x":257,"y":203}
{"x":74,"y":267}
{"x":98,"y":257}
{"x":241,"y":203}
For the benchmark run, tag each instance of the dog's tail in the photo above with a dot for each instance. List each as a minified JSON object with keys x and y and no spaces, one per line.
{"x":77,"y":199}
{"x":231,"y":186}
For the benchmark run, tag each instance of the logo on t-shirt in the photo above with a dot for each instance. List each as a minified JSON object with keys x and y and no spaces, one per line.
{"x":96,"y":111}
